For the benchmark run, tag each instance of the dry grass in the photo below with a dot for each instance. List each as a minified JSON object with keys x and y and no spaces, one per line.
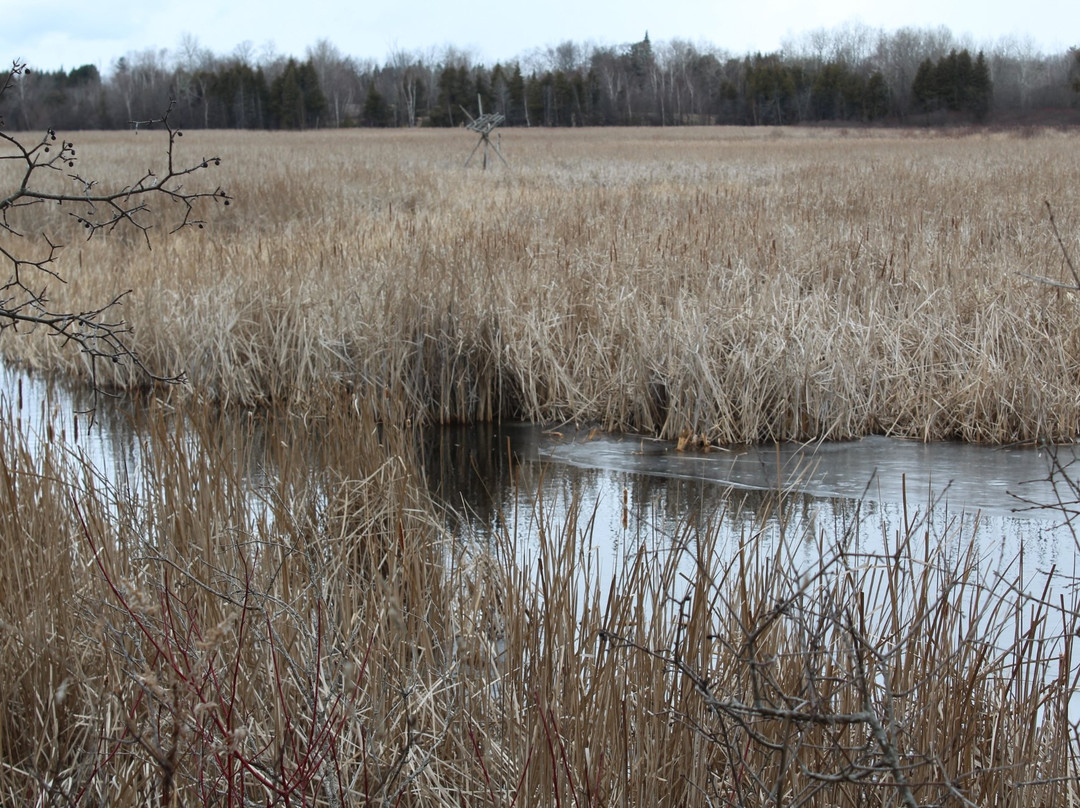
{"x":738,"y":284}
{"x":327,"y":644}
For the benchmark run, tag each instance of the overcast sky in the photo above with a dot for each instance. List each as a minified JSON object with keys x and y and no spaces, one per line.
{"x":72,"y":34}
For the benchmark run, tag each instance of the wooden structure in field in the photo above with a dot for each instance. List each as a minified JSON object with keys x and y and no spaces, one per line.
{"x":484,"y":126}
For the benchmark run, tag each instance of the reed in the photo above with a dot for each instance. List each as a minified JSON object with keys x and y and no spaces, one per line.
{"x":284,"y":621}
{"x":274,"y":613}
{"x":739,"y":285}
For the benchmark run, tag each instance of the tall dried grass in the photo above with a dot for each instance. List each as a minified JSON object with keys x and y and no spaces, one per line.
{"x":284,"y":621}
{"x":737,"y":284}
{"x":327,"y":644}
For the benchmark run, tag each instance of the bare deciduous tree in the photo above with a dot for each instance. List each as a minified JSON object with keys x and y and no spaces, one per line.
{"x":32,"y":261}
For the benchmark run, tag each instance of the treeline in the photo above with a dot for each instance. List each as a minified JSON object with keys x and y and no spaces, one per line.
{"x":955,"y":83}
{"x":851,"y":74}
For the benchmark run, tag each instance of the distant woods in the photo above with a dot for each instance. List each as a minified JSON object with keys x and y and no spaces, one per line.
{"x":851,"y":75}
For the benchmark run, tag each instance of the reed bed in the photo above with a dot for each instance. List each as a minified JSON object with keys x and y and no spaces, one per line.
{"x":284,"y":622}
{"x":272,"y":611}
{"x":725,"y":285}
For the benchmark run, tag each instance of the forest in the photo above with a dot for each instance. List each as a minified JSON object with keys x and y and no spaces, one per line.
{"x":849,"y":75}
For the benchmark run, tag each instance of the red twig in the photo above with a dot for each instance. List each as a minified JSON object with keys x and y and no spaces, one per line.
{"x":483,"y":763}
{"x":556,"y":759}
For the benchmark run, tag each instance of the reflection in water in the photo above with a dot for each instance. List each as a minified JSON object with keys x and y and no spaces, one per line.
{"x":517,"y":479}
{"x":866,"y":494}
{"x":97,"y":430}
{"x":110,"y":435}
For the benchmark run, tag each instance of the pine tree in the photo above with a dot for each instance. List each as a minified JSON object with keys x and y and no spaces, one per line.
{"x":376,"y":111}
{"x":516,"y":89}
{"x":962,"y":85}
{"x":877,"y":97}
{"x":924,"y":88}
{"x":286,"y":100}
{"x":946,"y":83}
{"x":296,"y":100}
{"x":640,"y":59}
{"x":314,"y":101}
{"x":981,"y":88}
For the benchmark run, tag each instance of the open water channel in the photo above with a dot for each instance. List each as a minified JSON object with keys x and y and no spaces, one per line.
{"x":868,"y":494}
{"x":505,"y":485}
{"x":518,"y":479}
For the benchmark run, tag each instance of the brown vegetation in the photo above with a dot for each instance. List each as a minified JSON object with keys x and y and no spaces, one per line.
{"x":323,"y":642}
{"x":740,"y":284}
{"x":43,"y":173}
{"x":287,"y":622}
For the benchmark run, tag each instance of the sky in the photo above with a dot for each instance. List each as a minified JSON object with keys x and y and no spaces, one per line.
{"x":71,"y":35}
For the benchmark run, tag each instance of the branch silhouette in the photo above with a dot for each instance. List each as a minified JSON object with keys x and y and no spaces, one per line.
{"x":32,"y":262}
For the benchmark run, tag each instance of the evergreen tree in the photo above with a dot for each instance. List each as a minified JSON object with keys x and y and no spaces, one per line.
{"x":588,"y":87}
{"x":456,"y":92}
{"x":87,"y":74}
{"x":945,"y":82}
{"x":640,"y":60}
{"x":443,"y":112}
{"x":961,"y":91}
{"x":826,"y":91}
{"x":69,"y":100}
{"x":516,"y":90}
{"x":499,"y":92}
{"x":956,"y":83}
{"x":483,"y":96}
{"x":534,"y":101}
{"x":853,"y":95}
{"x":286,"y":99}
{"x":240,"y":96}
{"x":770,"y":87}
{"x":314,"y":100}
{"x":296,"y":101}
{"x":924,"y":88}
{"x":376,"y":111}
{"x":560,"y":99}
{"x":981,"y":89}
{"x":877,"y":97}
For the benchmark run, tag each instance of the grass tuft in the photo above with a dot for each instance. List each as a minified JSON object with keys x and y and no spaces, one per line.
{"x":710,"y":282}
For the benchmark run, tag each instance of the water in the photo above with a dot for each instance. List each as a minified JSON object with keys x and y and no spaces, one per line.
{"x":868,"y":492}
{"x":98,"y":429}
{"x":632,"y":493}
{"x":863,"y":499}
{"x":520,"y":478}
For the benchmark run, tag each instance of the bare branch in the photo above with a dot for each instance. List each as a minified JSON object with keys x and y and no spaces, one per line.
{"x":24,"y":293}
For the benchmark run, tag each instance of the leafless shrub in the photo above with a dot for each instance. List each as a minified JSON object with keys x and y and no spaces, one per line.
{"x":285,"y":622}
{"x":898,"y":679}
{"x":44,"y":173}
